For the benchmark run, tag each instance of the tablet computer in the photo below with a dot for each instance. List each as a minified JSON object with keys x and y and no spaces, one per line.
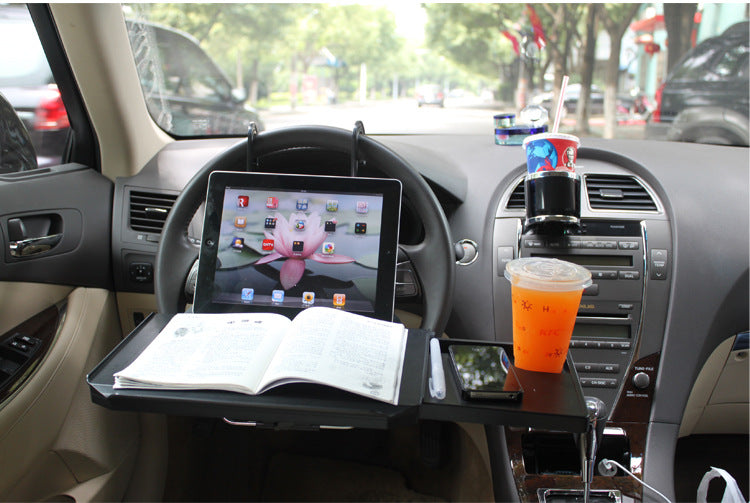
{"x":282,"y":243}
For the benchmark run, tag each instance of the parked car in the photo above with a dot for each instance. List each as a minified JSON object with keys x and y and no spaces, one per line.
{"x":26,"y":82}
{"x":705,"y":97}
{"x":186,"y":92}
{"x":430,"y":94}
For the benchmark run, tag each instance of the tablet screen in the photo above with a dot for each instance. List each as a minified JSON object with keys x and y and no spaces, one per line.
{"x":282,"y":243}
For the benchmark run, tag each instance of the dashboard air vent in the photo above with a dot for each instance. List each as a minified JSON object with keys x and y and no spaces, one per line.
{"x":517,"y":200}
{"x":149,"y":210}
{"x":608,"y":192}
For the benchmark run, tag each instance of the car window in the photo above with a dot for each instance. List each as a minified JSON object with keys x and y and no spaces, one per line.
{"x":731,"y":62}
{"x":24,"y":68}
{"x":26,"y":81}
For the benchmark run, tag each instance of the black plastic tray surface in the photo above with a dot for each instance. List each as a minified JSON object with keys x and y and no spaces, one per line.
{"x":550,"y":401}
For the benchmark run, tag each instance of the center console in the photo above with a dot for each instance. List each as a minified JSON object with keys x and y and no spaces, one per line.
{"x":616,"y":342}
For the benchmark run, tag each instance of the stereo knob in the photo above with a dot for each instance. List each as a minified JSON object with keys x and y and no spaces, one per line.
{"x":641,"y":380}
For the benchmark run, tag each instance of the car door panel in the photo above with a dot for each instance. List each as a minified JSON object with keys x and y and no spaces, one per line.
{"x":19,"y":301}
{"x":58,"y":438}
{"x":63,"y":446}
{"x":76,"y":201}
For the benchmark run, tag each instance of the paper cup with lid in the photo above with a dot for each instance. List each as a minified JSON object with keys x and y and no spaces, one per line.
{"x":551,"y":152}
{"x":546,"y":294}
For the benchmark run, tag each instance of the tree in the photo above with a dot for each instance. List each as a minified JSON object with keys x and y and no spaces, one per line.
{"x":587,"y":71}
{"x":471,"y":34}
{"x":616,"y":19}
{"x":679,"y":21}
{"x":561,"y":29}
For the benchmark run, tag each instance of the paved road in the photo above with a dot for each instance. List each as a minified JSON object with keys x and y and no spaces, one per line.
{"x":465,"y":116}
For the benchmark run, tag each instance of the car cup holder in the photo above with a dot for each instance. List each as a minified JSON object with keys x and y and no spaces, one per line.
{"x":553,"y":197}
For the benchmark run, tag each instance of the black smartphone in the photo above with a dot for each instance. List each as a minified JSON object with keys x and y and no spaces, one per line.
{"x":484,"y":372}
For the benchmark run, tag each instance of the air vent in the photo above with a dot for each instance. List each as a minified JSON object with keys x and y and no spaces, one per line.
{"x":618,"y":193}
{"x":149,"y":210}
{"x":517,"y":200}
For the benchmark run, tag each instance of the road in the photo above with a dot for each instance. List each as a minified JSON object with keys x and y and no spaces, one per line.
{"x":460,"y":116}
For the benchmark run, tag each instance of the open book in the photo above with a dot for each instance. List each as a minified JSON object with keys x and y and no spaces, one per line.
{"x":253,"y":352}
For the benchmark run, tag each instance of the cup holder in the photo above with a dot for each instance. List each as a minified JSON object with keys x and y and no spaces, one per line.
{"x":553,"y":197}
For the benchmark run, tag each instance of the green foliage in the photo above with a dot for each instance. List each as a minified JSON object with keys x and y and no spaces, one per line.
{"x":471,"y":34}
{"x":271,"y":46}
{"x":273,"y":40}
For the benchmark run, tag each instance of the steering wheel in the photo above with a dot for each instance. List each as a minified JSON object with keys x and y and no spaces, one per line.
{"x":433,"y":259}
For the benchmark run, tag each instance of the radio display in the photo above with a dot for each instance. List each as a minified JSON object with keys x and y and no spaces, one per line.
{"x":593,"y":260}
{"x":599,"y":331}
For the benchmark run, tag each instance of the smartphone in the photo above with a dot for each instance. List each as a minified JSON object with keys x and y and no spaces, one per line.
{"x":484,"y":372}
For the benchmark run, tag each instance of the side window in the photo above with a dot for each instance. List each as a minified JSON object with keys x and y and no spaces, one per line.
{"x":27,"y":84}
{"x":693,"y":67}
{"x":731,"y":62}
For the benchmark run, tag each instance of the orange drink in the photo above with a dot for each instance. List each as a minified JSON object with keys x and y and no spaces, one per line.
{"x":546,"y":294}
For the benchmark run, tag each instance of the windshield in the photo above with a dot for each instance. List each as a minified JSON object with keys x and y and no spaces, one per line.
{"x":411,"y":68}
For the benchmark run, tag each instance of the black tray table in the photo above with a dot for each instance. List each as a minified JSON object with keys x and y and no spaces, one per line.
{"x":550,"y":401}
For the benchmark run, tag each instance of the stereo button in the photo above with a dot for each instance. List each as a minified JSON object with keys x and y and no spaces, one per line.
{"x":592,"y":290}
{"x":628,"y":245}
{"x":629,"y":275}
{"x":659,"y":264}
{"x":598,"y":383}
{"x":604,"y":274}
{"x":587,"y":367}
{"x":533,"y":243}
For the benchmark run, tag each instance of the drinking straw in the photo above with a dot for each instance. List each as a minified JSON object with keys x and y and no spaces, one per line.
{"x":560,"y":102}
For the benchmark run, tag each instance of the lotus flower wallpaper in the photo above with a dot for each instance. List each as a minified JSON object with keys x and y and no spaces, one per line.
{"x":285,"y":234}
{"x":298,"y":243}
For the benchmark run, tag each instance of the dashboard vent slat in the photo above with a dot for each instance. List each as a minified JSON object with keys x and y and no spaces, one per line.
{"x":149,"y":210}
{"x":517,"y":199}
{"x":611,"y":192}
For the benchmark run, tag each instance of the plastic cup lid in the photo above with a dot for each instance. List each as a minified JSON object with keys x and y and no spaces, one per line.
{"x":549,"y":274}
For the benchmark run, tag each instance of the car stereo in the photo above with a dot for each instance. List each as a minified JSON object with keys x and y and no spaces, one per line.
{"x":609,"y":317}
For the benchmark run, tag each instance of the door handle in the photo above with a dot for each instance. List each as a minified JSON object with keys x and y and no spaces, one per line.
{"x":34,"y":246}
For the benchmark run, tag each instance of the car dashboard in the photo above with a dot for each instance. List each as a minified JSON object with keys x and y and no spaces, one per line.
{"x":664,"y":231}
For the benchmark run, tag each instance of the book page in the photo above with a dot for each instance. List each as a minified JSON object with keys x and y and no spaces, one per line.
{"x":344,"y":350}
{"x":207,"y":351}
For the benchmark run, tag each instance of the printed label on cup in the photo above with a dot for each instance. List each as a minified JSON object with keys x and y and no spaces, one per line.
{"x":551,"y":152}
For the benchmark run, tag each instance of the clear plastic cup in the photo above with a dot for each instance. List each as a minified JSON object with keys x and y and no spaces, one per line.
{"x":546,"y":294}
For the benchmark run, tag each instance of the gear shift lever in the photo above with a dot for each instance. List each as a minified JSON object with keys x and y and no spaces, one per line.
{"x":597,"y":419}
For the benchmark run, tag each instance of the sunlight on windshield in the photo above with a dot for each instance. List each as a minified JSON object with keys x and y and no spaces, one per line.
{"x":405,"y":67}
